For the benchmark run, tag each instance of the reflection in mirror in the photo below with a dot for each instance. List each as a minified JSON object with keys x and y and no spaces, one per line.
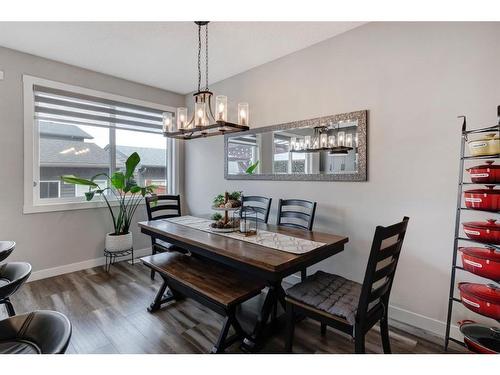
{"x":327,"y":148}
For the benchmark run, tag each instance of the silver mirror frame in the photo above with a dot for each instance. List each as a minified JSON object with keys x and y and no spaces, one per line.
{"x":360,"y":175}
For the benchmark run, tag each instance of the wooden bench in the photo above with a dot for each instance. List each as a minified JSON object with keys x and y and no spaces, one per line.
{"x":217,"y":287}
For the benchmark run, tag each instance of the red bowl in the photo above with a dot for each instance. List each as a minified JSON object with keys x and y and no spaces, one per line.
{"x":488,"y":231}
{"x":480,"y":298}
{"x":485,"y":174}
{"x":483,"y":199}
{"x":481,"y":261}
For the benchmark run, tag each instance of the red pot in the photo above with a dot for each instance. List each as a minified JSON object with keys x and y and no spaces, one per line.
{"x":482,"y":231}
{"x":485,"y":174}
{"x":482,"y":261}
{"x":480,"y":338}
{"x":481,"y":298}
{"x":483,"y":199}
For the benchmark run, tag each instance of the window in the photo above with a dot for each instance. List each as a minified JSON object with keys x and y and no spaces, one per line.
{"x":49,"y":189}
{"x":76,"y":131}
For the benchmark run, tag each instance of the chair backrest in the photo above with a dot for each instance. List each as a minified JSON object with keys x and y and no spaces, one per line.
{"x":380,"y":271}
{"x":261,"y":205}
{"x":296,"y":213}
{"x":163,"y":206}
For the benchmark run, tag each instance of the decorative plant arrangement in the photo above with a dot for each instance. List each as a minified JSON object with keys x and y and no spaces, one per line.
{"x":251,"y":169}
{"x":125,"y":191}
{"x":226,"y":202}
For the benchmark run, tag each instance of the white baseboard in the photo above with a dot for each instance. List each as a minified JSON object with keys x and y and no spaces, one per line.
{"x":67,"y":268}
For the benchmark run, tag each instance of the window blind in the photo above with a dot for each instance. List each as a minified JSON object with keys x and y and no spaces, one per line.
{"x":62,"y":106}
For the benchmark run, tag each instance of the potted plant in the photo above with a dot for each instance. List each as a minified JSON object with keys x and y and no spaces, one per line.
{"x":127,"y":193}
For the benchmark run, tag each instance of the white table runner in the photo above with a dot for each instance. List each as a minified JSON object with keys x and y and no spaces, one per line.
{"x":264,"y":238}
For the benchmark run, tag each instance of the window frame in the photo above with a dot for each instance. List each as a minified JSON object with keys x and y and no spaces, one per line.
{"x":51,"y":182}
{"x":32,"y":201}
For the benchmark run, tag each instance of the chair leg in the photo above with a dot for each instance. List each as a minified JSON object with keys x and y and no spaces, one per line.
{"x":152,"y":271}
{"x":323,"y":329}
{"x":10,"y":308}
{"x":384,"y":333}
{"x":303,"y":274}
{"x":359,"y":342}
{"x":290,"y":327}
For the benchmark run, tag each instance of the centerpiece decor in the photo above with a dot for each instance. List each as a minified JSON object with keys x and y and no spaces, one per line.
{"x":121,"y":188}
{"x":247,"y":217}
{"x":227,"y":202}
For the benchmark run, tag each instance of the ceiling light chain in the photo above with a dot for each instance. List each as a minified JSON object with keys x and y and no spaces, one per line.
{"x":206,"y":57}
{"x":199,"y":57}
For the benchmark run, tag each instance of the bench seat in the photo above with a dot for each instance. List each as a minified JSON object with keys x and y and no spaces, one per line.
{"x":216,"y":286}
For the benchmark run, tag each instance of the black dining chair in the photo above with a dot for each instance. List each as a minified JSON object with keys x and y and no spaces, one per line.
{"x":37,"y":332}
{"x":346,"y":305}
{"x":261,"y":205}
{"x":296,"y":213}
{"x":12,"y":276}
{"x":6,"y":248}
{"x":162,"y":207}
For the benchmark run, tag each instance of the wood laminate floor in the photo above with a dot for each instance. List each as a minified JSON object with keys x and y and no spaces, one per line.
{"x":108,"y":314}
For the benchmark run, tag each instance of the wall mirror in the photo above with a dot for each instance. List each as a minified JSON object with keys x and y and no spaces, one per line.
{"x":329,"y":148}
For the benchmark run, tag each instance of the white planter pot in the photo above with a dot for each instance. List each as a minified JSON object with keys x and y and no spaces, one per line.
{"x":118,"y":243}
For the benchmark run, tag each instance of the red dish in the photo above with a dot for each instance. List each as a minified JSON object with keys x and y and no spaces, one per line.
{"x":481,"y":231}
{"x":481,"y":298}
{"x":482,"y":261}
{"x":485,"y":174}
{"x":480,"y":338}
{"x":483,"y":199}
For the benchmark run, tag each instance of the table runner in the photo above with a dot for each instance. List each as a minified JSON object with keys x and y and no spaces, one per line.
{"x":265,"y":238}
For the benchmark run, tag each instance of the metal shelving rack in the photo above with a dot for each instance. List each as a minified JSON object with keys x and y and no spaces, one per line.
{"x":457,"y":239}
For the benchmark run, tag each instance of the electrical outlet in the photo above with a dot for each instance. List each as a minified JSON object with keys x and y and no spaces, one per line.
{"x":1,"y":75}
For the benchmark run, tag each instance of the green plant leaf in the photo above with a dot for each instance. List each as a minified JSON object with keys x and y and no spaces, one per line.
{"x":70,"y":179}
{"x":118,"y":180}
{"x":89,"y":195}
{"x":216,"y":216}
{"x":135,"y":189}
{"x":251,"y":168}
{"x":132,"y":162}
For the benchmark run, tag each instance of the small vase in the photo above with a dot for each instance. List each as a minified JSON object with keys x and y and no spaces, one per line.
{"x":118,"y":242}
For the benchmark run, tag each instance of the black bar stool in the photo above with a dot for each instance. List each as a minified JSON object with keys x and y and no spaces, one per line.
{"x":6,"y":248}
{"x":12,"y":276}
{"x":38,"y":332}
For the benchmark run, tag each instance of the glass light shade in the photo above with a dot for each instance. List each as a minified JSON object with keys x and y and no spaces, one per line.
{"x":243,"y":115}
{"x":307,"y":141}
{"x":323,"y":140}
{"x":221,"y":108}
{"x":356,"y":140}
{"x":301,"y":144}
{"x":341,"y":139}
{"x":331,"y":141}
{"x":182,"y":118}
{"x":348,"y":140}
{"x":168,"y":123}
{"x":200,"y":114}
{"x":293,"y":141}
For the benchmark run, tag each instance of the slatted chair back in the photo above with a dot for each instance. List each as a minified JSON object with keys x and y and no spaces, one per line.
{"x":163,"y":206}
{"x":296,"y":213}
{"x":380,"y":271}
{"x":261,"y":205}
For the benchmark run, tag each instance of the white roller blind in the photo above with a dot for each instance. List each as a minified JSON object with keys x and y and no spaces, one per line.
{"x":62,"y":106}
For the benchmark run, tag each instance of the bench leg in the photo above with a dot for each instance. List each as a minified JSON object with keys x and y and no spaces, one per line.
{"x":221,"y":341}
{"x":290,"y":327}
{"x":161,"y":298}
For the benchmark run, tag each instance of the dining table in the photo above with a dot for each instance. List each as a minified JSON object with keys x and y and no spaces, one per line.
{"x":266,"y":261}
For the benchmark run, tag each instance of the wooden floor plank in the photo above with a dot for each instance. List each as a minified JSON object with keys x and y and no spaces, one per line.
{"x":108,"y":314}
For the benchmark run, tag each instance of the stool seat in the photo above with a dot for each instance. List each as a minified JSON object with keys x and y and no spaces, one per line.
{"x":6,"y":248}
{"x":12,"y":276}
{"x":37,"y":332}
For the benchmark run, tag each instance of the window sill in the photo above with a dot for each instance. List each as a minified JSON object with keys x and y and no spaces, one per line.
{"x":67,"y":206}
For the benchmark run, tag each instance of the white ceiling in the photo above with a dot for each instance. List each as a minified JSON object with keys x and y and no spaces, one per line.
{"x":163,"y":54}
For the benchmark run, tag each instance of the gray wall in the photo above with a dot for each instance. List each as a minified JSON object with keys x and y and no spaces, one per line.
{"x":53,"y":239}
{"x":414,"y":78}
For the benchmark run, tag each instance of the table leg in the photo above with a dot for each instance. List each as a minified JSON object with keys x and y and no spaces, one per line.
{"x":275,"y":295}
{"x":161,"y":297}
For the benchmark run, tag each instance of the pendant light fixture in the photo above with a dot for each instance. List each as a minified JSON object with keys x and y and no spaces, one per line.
{"x":321,"y":140}
{"x":204,"y":123}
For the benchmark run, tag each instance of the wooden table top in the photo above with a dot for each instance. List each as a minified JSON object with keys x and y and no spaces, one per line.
{"x":251,"y":254}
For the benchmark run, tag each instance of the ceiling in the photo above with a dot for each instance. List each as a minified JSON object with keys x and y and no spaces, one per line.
{"x":163,"y":54}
